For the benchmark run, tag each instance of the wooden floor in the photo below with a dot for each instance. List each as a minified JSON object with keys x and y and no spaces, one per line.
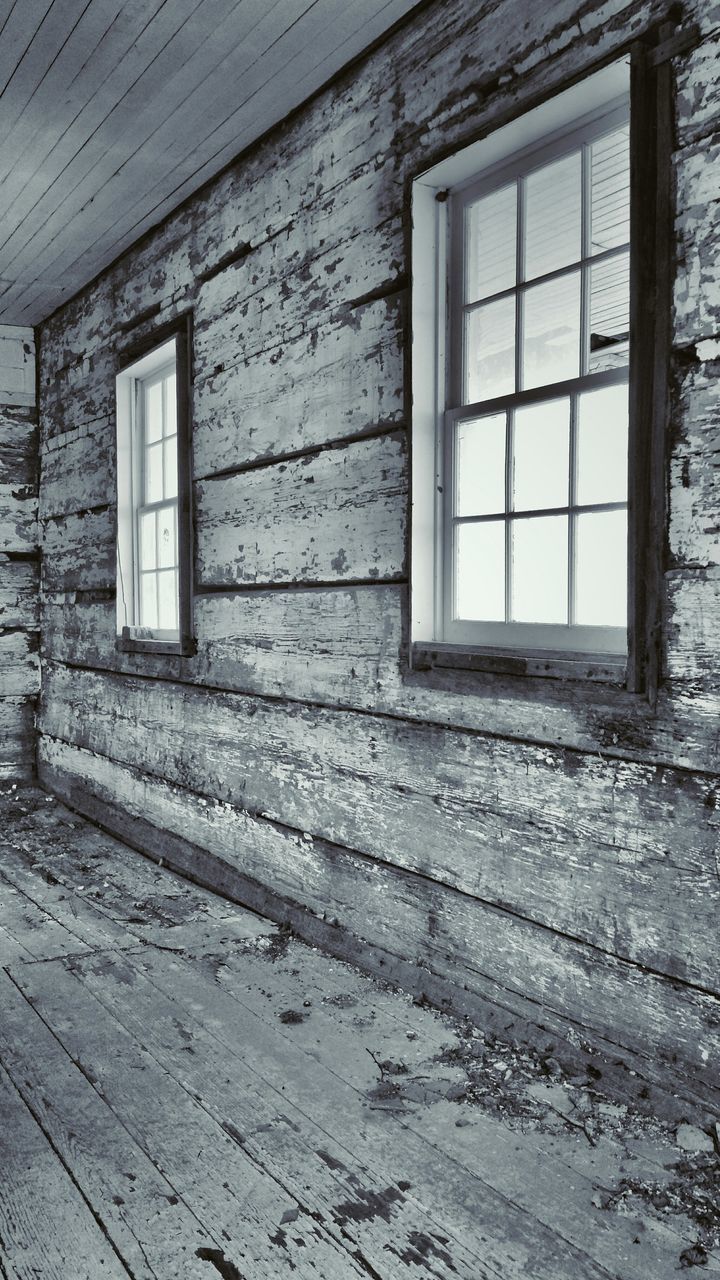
{"x":187,"y":1091}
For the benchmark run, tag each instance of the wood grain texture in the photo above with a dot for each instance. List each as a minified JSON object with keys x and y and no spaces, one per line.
{"x":34,"y":1177}
{"x":586,"y":816}
{"x":19,"y":554}
{"x":19,"y":601}
{"x":392,"y":1128}
{"x":344,"y":647}
{"x":330,"y":516}
{"x":17,"y":738}
{"x":376,"y":914}
{"x":329,"y":383}
{"x":497,"y":824}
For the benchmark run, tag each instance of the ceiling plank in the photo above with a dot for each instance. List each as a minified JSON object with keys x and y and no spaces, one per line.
{"x":152,"y":99}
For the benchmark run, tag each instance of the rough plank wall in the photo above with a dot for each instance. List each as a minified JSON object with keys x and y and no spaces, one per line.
{"x":554,"y":845}
{"x":19,"y":555}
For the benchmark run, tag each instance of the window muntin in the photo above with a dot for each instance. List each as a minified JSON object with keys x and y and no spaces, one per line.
{"x":535,"y":449}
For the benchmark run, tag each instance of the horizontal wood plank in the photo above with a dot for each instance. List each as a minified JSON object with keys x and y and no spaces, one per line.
{"x":18,"y":445}
{"x":344,"y":902}
{"x":18,"y":517}
{"x":19,"y":581}
{"x":499,"y":823}
{"x":332,"y":516}
{"x":336,"y":381}
{"x":17,"y":738}
{"x":19,"y":663}
{"x":344,"y":647}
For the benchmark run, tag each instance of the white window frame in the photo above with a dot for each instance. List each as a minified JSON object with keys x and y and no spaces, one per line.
{"x":131,"y":381}
{"x":542,"y":131}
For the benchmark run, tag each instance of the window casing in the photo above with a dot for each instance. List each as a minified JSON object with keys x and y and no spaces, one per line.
{"x":153,"y":544}
{"x":518,"y":358}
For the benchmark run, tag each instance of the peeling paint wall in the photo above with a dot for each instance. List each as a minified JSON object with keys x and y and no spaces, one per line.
{"x":549,"y":847}
{"x":19,"y":555}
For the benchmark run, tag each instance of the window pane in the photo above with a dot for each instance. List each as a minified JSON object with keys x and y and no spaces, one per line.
{"x":480,"y":571}
{"x":153,"y":412}
{"x":170,"y":405}
{"x":167,"y":553}
{"x":480,"y":466}
{"x":148,"y":552}
{"x":609,"y":313}
{"x":601,"y":573}
{"x":490,"y":350}
{"x":491,"y":246}
{"x":540,"y":575}
{"x":602,"y":448}
{"x":552,"y":331}
{"x":541,"y":455}
{"x":154,"y":473}
{"x":171,"y":480}
{"x":148,"y":600}
{"x":553,"y":216}
{"x":610,"y":190}
{"x":167,"y":600}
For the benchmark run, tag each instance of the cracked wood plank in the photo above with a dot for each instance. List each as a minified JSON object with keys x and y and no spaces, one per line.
{"x":379,"y":915}
{"x":366,"y":1206}
{"x":500,"y":824}
{"x":333,"y":516}
{"x":34,"y":1184}
{"x":237,"y":1201}
{"x":150,"y":1226}
{"x":515,"y":1158}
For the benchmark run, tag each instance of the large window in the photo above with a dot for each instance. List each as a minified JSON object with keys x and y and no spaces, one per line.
{"x":523,"y":439}
{"x":153,"y":596}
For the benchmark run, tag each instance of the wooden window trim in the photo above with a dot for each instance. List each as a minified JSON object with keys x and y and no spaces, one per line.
{"x":130,"y":639}
{"x":651,"y":284}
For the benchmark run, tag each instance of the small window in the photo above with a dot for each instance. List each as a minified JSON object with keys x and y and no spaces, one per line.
{"x":153,"y":545}
{"x":521,"y":356}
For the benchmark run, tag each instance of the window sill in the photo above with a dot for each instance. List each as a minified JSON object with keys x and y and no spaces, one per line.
{"x":547,"y":664}
{"x":128,"y":642}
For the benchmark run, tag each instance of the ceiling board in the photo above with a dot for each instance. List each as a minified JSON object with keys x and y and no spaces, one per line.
{"x":114,"y":111}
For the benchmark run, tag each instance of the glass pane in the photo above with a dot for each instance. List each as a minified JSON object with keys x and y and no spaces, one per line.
{"x":541,"y":455}
{"x":609,"y":313}
{"x":602,"y":447}
{"x":167,"y":600}
{"x":148,"y":600}
{"x":540,"y":574}
{"x":552,"y":331}
{"x":153,"y":412}
{"x":167,"y":554}
{"x":490,"y":350}
{"x":610,"y":190}
{"x":148,"y":552}
{"x":553,"y":216}
{"x":480,"y":571}
{"x":601,"y":569}
{"x":153,"y":473}
{"x":171,"y":479}
{"x":170,"y":405}
{"x":480,"y":466}
{"x":491,"y":247}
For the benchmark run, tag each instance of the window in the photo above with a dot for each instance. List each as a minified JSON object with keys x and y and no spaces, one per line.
{"x":522,"y":400}
{"x":153,"y":545}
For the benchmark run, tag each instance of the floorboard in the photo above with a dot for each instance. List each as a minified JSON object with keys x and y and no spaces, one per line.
{"x":187,"y":1090}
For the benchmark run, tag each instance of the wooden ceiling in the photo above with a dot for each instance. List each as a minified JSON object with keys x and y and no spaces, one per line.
{"x":113,"y":111}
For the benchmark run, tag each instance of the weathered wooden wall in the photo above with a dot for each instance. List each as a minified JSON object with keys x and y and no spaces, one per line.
{"x":19,"y":554}
{"x":551,"y":846}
